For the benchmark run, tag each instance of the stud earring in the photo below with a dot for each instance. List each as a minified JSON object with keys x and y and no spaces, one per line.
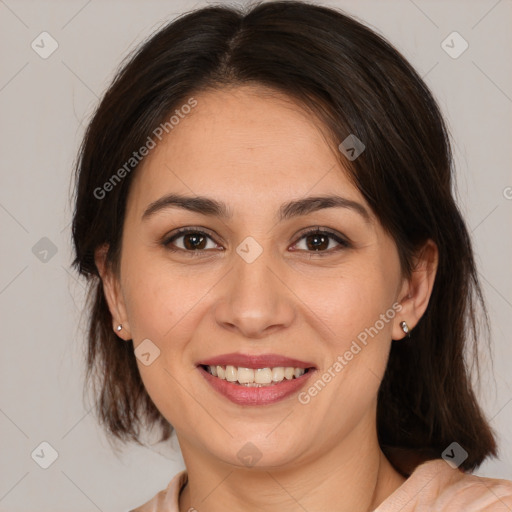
{"x":119,"y":327}
{"x":405,"y":328}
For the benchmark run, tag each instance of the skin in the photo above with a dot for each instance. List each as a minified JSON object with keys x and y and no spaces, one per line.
{"x":255,"y":149}
{"x":439,"y":487}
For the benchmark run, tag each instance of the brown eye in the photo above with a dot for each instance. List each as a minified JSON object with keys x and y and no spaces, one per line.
{"x":190,"y":240}
{"x":194,"y":241}
{"x":316,"y":240}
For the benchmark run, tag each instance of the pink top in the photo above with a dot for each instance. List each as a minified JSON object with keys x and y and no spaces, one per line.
{"x":432,"y":486}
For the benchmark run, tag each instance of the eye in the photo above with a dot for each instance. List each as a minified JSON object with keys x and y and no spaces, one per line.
{"x":189,"y":240}
{"x":318,"y":240}
{"x":195,"y":241}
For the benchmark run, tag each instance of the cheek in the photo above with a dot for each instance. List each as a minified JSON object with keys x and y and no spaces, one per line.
{"x":349,"y":301}
{"x":160,"y":307}
{"x":358,"y":309}
{"x":148,"y":306}
{"x":158,"y":298}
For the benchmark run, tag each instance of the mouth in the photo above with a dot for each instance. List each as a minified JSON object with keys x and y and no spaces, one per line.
{"x":255,"y":377}
{"x":255,"y":380}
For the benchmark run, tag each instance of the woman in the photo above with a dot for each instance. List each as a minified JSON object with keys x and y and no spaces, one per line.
{"x":279,"y":271}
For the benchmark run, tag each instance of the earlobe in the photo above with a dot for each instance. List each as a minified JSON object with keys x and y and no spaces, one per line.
{"x":112,"y":292}
{"x":416,"y":291}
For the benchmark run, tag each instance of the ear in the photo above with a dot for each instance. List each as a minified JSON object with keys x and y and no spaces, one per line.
{"x":416,"y":290}
{"x":113,"y":293}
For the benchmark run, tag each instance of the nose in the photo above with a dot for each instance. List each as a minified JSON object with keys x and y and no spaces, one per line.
{"x":254,"y":300}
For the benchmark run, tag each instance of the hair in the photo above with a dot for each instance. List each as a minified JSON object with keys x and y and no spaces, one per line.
{"x":357,"y":83}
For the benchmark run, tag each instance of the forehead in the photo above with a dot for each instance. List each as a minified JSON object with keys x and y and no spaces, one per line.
{"x":243,"y":144}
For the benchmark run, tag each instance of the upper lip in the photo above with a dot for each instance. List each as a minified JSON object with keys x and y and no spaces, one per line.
{"x":255,"y":361}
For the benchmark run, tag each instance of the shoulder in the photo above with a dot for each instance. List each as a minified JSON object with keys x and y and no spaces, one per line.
{"x":473,"y":493}
{"x":435,"y":485}
{"x":166,"y":500}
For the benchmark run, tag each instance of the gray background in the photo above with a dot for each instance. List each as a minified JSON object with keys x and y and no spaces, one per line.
{"x":45,"y":106}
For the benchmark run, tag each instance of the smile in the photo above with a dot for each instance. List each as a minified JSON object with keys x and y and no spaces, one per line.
{"x":255,"y":377}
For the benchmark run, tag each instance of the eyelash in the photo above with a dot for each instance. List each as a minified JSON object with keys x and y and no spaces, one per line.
{"x":166,"y":242}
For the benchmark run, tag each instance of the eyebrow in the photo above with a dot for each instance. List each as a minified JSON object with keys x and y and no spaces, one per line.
{"x":212,"y":207}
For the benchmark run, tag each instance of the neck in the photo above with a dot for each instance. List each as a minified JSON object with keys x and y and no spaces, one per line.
{"x":352,"y":476}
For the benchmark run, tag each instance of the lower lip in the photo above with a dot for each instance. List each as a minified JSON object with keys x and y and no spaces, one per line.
{"x":243,"y":395}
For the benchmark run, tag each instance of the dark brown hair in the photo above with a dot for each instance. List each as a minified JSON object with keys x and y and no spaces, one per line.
{"x":356,"y":83}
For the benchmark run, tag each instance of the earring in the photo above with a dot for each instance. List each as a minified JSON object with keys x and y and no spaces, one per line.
{"x":119,"y":327}
{"x":405,"y":328}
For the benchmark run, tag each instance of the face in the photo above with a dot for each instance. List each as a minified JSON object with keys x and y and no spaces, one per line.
{"x":271,"y":280}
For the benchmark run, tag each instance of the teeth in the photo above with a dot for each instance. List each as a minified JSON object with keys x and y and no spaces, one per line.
{"x":245,"y":375}
{"x":277,"y":374}
{"x":255,"y":377}
{"x":288,"y":373}
{"x":262,"y":376}
{"x":231,"y":373}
